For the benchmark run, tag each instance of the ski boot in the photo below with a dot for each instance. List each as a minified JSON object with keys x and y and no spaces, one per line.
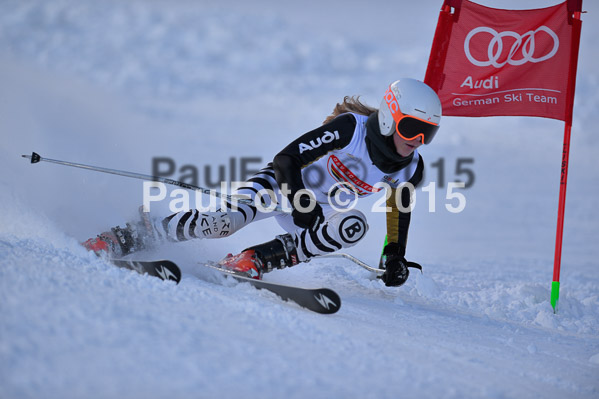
{"x":253,"y":262}
{"x":119,"y":242}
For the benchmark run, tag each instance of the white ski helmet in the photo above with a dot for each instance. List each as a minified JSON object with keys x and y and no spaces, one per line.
{"x":411,"y":109}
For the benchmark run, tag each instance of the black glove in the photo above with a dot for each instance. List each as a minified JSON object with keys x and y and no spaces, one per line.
{"x":308,"y":220}
{"x":396,"y":267}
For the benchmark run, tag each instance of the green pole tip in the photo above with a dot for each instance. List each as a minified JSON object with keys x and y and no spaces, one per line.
{"x":554,"y":295}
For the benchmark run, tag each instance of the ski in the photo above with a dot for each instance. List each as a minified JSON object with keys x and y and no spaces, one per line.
{"x":163,"y":269}
{"x":319,"y":300}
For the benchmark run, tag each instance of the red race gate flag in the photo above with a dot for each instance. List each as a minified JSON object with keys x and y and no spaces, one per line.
{"x":491,"y":62}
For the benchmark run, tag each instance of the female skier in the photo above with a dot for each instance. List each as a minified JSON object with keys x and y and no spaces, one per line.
{"x":357,"y":150}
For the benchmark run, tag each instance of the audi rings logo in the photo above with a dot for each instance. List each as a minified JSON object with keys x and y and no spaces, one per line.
{"x":521,"y":52}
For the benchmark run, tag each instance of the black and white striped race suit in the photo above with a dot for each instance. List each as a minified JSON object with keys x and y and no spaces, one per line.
{"x":334,"y":161}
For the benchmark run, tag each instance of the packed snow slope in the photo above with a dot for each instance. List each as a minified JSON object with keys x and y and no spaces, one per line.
{"x":209,"y":84}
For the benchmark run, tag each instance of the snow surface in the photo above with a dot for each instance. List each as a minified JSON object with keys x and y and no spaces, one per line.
{"x":117,"y":83}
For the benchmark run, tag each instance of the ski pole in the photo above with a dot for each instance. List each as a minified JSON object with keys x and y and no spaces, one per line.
{"x":355,"y":260}
{"x":35,"y":158}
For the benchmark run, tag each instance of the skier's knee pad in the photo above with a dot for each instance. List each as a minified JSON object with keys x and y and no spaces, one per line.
{"x":183,"y":226}
{"x":347,"y":228}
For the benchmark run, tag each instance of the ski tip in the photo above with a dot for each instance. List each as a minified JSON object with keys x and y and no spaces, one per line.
{"x":329,"y":301}
{"x":35,"y":157}
{"x":167,"y":270}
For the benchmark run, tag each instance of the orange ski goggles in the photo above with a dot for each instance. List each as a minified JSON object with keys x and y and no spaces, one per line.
{"x":407,"y":126}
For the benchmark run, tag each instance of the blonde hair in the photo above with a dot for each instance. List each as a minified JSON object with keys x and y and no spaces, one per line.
{"x":350,"y":104}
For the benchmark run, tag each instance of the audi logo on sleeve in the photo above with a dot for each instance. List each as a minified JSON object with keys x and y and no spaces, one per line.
{"x":521,"y":51}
